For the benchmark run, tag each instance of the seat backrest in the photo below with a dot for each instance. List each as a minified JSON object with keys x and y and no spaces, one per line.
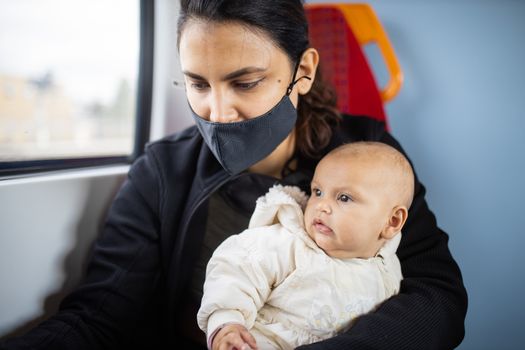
{"x":332,"y":30}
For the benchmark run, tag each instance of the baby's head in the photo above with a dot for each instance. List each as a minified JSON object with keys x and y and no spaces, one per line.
{"x":361,"y":193}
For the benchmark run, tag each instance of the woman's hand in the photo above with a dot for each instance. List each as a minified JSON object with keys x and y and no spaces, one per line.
{"x":234,"y":337}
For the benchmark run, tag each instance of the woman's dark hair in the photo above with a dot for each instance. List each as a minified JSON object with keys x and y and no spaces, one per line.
{"x":284,"y":21}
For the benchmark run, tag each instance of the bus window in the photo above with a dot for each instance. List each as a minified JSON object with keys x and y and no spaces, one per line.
{"x":69,"y":74}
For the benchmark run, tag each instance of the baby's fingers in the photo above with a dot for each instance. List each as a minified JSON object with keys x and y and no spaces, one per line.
{"x":249,"y":339}
{"x":233,"y":340}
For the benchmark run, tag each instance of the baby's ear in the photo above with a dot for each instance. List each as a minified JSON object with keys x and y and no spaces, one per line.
{"x":395,"y":223}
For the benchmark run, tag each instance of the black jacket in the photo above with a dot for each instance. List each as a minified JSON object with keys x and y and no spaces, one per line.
{"x":141,"y":264}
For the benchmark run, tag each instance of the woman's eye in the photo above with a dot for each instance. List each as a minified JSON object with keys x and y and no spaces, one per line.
{"x":199,"y":86}
{"x":247,"y":86}
{"x":345,"y":198}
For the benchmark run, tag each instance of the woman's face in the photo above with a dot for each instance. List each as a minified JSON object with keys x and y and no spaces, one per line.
{"x":232,"y":73}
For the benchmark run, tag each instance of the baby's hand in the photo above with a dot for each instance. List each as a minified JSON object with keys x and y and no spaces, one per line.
{"x":234,"y":336}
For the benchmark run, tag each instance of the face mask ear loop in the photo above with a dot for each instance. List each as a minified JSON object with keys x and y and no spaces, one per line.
{"x":294,"y":81}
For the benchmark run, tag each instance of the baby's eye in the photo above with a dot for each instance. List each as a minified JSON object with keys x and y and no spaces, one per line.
{"x":344,"y":198}
{"x":317,"y":192}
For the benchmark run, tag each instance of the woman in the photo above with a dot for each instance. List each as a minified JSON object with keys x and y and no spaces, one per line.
{"x":262,"y":116}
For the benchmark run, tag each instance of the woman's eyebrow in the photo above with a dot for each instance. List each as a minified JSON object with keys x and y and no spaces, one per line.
{"x":243,"y":71}
{"x":229,"y":76}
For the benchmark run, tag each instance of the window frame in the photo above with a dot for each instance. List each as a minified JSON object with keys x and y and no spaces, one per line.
{"x":143,"y":109}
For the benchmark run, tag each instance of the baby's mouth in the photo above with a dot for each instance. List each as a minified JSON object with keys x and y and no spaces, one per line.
{"x":321,"y":227}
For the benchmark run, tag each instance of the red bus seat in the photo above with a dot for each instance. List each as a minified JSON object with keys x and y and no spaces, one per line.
{"x":338,"y":32}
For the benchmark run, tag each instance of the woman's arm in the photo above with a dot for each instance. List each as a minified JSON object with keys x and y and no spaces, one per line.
{"x":430,"y":310}
{"x":121,"y":279}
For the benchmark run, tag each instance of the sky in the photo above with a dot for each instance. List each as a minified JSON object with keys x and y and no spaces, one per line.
{"x":89,"y":46}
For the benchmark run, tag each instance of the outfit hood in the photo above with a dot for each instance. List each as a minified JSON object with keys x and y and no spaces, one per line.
{"x":281,"y":204}
{"x":390,"y":247}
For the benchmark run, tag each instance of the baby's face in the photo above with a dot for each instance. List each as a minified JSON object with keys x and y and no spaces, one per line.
{"x":349,"y":206}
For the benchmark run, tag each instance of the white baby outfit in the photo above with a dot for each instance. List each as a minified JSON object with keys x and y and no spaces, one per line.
{"x":273,"y":279}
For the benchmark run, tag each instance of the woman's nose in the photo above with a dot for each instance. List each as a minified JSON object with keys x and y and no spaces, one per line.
{"x":222,"y":109}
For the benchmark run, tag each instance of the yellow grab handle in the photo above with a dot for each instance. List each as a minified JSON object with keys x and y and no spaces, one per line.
{"x":367,"y":28}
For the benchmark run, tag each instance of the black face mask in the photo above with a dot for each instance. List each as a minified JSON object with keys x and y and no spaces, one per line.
{"x":239,"y":145}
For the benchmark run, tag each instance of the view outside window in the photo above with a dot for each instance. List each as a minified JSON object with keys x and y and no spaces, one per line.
{"x":68,"y":78}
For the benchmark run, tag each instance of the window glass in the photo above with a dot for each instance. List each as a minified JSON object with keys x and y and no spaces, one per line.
{"x":68,"y":78}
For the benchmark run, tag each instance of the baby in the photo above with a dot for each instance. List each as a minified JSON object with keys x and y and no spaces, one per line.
{"x":289,"y":279}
